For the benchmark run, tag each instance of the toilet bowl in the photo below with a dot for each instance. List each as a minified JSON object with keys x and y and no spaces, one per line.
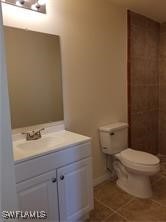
{"x":133,"y":168}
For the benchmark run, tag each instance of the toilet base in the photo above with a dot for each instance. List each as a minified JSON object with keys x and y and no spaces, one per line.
{"x":136,"y":185}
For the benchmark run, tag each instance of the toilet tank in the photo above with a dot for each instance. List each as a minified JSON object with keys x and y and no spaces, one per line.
{"x":114,"y":137}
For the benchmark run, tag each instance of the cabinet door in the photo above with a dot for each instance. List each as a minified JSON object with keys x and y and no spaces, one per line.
{"x":75,"y":190}
{"x":40,"y":194}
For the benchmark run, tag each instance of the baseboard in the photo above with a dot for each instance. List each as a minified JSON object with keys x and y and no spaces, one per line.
{"x":101,"y":179}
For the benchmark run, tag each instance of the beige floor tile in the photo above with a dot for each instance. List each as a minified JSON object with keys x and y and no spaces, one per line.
{"x":159,"y":191}
{"x":108,"y":196}
{"x":140,"y":210}
{"x":116,"y":218}
{"x":112,"y":196}
{"x":100,"y":213}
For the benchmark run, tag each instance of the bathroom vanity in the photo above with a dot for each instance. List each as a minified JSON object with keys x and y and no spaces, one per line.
{"x":54,"y":174}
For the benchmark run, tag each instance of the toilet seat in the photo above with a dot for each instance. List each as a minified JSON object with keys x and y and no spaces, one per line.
{"x":139,"y":157}
{"x":140,"y":161}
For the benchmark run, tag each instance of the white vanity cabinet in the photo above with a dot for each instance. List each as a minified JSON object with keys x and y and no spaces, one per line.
{"x":75,"y":190}
{"x":59,"y":183}
{"x":40,"y":194}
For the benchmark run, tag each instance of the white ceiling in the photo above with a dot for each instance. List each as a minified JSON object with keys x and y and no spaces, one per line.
{"x":155,"y":9}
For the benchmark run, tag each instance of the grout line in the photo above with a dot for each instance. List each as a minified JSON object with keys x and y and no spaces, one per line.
{"x":122,"y":216}
{"x":125,"y":205}
{"x":119,"y":215}
{"x":113,"y":212}
{"x":155,"y":201}
{"x":116,"y":211}
{"x":105,"y":205}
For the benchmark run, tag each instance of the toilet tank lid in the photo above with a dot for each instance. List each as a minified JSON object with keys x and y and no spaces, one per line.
{"x":113,"y":127}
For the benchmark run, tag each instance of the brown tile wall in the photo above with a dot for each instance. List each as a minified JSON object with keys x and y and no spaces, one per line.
{"x":143,"y":85}
{"x":162,"y":90}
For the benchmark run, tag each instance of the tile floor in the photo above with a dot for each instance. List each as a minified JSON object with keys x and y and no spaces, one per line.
{"x":114,"y":205}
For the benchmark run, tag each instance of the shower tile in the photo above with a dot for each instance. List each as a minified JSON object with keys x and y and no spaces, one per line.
{"x":138,"y":131}
{"x":137,"y":20}
{"x":162,"y":71}
{"x":163,"y":167}
{"x":162,"y":142}
{"x":152,"y":144}
{"x":162,"y":98}
{"x":143,"y":72}
{"x":138,"y":42}
{"x":151,"y":72}
{"x":137,"y":71}
{"x":143,"y":131}
{"x":144,"y":39}
{"x":152,"y":42}
{"x":162,"y":132}
{"x":162,"y":116}
{"x":162,"y":51}
{"x":162,"y":90}
{"x":163,"y":28}
{"x":143,"y":98}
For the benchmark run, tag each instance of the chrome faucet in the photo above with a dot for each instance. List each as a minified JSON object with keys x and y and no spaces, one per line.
{"x":33,"y":135}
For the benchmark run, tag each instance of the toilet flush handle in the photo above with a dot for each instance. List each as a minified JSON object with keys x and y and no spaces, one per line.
{"x":112,"y":134}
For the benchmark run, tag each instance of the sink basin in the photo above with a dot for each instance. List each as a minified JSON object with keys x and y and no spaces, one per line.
{"x":50,"y":142}
{"x":40,"y":144}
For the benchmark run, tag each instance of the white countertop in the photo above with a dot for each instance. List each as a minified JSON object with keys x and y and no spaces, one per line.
{"x":51,"y":142}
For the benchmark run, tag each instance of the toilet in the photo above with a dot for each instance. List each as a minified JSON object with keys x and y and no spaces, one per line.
{"x":133,"y":168}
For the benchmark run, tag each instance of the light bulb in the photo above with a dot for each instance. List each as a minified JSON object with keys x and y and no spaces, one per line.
{"x":41,"y":2}
{"x":20,"y":2}
{"x":35,"y":7}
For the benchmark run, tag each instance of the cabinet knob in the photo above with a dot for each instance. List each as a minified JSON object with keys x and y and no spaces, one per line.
{"x":62,"y":177}
{"x":53,"y":180}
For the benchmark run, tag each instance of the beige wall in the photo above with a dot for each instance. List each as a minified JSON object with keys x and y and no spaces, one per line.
{"x":34,"y":77}
{"x":93,"y":39}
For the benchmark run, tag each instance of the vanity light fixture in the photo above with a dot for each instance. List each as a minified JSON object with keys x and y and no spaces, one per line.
{"x":35,"y":5}
{"x":42,"y":2}
{"x":20,"y":3}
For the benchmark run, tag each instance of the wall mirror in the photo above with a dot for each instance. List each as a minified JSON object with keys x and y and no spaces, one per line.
{"x":34,"y":77}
